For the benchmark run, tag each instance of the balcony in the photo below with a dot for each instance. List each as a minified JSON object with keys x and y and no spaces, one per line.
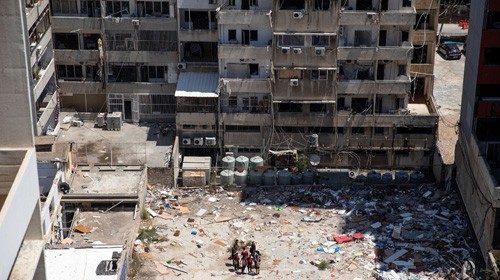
{"x":76,"y":56}
{"x":198,"y":35}
{"x":138,"y":87}
{"x":304,"y":57}
{"x":402,"y":52}
{"x":310,"y":21}
{"x":303,"y":119}
{"x":236,"y":51}
{"x":32,"y":13}
{"x":47,"y":113}
{"x":405,"y":17}
{"x":426,"y":4}
{"x":143,"y":23}
{"x":419,"y":115}
{"x":245,"y":139}
{"x":45,"y":75}
{"x":69,"y":88}
{"x":82,"y":23}
{"x":311,"y":90}
{"x":195,"y":118}
{"x":354,"y":17}
{"x":20,"y":226}
{"x":244,"y":17}
{"x":246,"y":118}
{"x":142,"y":56}
{"x":247,"y":85}
{"x":421,"y":37}
{"x":42,"y":45}
{"x":400,"y":86}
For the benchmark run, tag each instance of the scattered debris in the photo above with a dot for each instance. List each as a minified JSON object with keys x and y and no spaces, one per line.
{"x":83,"y":229}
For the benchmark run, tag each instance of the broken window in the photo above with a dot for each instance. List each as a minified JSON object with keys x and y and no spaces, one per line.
{"x":150,"y":40}
{"x":321,"y":5}
{"x":200,"y":52}
{"x":92,"y":73}
{"x":319,"y":74}
{"x":69,"y":72}
{"x":153,"y":73}
{"x":341,"y":103}
{"x":318,"y":108}
{"x":254,"y":69}
{"x":90,"y":41}
{"x":423,"y":21}
{"x":117,"y":8}
{"x":419,"y":54}
{"x":292,"y":4}
{"x":122,"y":73}
{"x":231,"y":35}
{"x":320,"y":41}
{"x":361,"y":105}
{"x":291,"y":40}
{"x":358,"y":130}
{"x":91,"y":8}
{"x":120,"y":41}
{"x":153,"y":8}
{"x":289,"y":107}
{"x":362,"y":5}
{"x":66,"y":41}
{"x":492,"y":56}
{"x":362,"y":38}
{"x":64,"y":6}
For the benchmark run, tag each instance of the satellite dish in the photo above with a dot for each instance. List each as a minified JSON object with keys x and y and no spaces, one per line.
{"x":314,"y":160}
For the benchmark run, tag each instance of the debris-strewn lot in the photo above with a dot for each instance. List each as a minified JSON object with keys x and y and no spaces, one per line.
{"x":404,"y":232}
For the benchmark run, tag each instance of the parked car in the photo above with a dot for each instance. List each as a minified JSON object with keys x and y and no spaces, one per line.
{"x":449,"y":51}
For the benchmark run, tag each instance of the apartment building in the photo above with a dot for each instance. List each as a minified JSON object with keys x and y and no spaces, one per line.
{"x":45,"y":94}
{"x":20,"y":225}
{"x":478,"y":148}
{"x":342,"y":71}
{"x":117,"y":56}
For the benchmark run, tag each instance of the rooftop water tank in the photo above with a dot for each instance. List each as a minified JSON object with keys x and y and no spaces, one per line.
{"x":417,"y":177}
{"x":387,"y":178}
{"x":255,"y":162}
{"x":373,"y":177}
{"x":228,"y":163}
{"x":284,"y":177}
{"x":227,"y":178}
{"x":241,"y":163}
{"x":269,"y":178}
{"x":240,"y":178}
{"x":401,"y":177}
{"x":255,"y":178}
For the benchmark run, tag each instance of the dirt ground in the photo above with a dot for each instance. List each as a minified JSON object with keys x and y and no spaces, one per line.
{"x":294,"y":229}
{"x":448,"y":84}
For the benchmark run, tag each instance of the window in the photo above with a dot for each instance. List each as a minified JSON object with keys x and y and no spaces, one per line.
{"x":66,"y":41}
{"x":69,"y":72}
{"x":188,"y":126}
{"x":358,"y":130}
{"x":233,"y":101}
{"x":242,"y":128}
{"x":379,"y":130}
{"x":317,"y":108}
{"x":322,"y":5}
{"x":245,"y":104}
{"x":493,"y":20}
{"x":117,"y":8}
{"x":92,"y":73}
{"x":231,"y":3}
{"x":419,"y":54}
{"x":254,"y":35}
{"x":90,"y":41}
{"x":320,"y":41}
{"x":414,"y":130}
{"x":91,"y":8}
{"x":423,"y":21}
{"x":406,"y":3}
{"x":291,"y":40}
{"x":319,"y":74}
{"x":153,"y":9}
{"x":64,"y":7}
{"x":401,"y":70}
{"x":254,"y":69}
{"x":231,"y":35}
{"x":292,"y":5}
{"x":153,"y":73}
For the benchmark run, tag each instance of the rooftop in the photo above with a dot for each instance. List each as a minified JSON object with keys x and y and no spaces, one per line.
{"x":109,"y":181}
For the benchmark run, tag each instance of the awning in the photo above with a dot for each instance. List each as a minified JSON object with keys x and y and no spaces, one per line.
{"x":197,"y":84}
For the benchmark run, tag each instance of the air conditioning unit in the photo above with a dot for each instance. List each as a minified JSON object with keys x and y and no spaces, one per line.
{"x":297,"y":15}
{"x":210,"y":141}
{"x":372,"y":16}
{"x":198,"y":141}
{"x":320,"y":51}
{"x":297,"y":50}
{"x":136,"y":22}
{"x":181,"y":66}
{"x":186,"y":141}
{"x":285,"y":50}
{"x":294,"y":82}
{"x":341,"y":31}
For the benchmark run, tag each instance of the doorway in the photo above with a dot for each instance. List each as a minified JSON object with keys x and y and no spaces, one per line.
{"x":127,"y":104}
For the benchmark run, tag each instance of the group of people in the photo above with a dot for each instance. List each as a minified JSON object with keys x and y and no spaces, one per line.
{"x":245,"y":257}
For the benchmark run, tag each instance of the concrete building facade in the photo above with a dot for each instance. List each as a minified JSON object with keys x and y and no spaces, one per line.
{"x":344,"y":70}
{"x":20,"y":224}
{"x":478,"y":148}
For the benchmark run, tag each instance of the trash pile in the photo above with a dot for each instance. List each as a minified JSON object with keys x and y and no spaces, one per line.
{"x":413,"y":230}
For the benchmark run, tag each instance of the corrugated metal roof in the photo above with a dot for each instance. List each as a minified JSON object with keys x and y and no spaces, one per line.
{"x":197,"y":84}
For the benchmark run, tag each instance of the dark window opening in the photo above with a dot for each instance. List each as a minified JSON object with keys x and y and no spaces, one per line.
{"x":322,"y":5}
{"x":66,"y":41}
{"x":231,"y":34}
{"x":406,"y":3}
{"x":405,"y":35}
{"x":291,"y":129}
{"x":340,"y":130}
{"x":90,"y":41}
{"x":318,"y":108}
{"x":121,"y":73}
{"x":487,"y":129}
{"x":92,"y":73}
{"x":492,"y":56}
{"x":242,"y":128}
{"x":384,"y":5}
{"x":488,"y":91}
{"x":382,"y":38}
{"x":363,"y":5}
{"x":417,"y":89}
{"x":493,"y":21}
{"x":419,"y":54}
{"x":320,"y":130}
{"x":320,"y":41}
{"x":414,"y":130}
{"x":361,"y":105}
{"x":379,"y":130}
{"x":341,"y":103}
{"x":289,"y":107}
{"x":423,"y":21}
{"x":200,"y":19}
{"x":91,"y":8}
{"x":69,"y":72}
{"x":293,"y":5}
{"x":200,"y":52}
{"x":254,"y":35}
{"x":358,"y":130}
{"x":254,"y":69}
{"x":319,"y":74}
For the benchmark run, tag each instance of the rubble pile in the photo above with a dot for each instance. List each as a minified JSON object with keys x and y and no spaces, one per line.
{"x":316,"y":232}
